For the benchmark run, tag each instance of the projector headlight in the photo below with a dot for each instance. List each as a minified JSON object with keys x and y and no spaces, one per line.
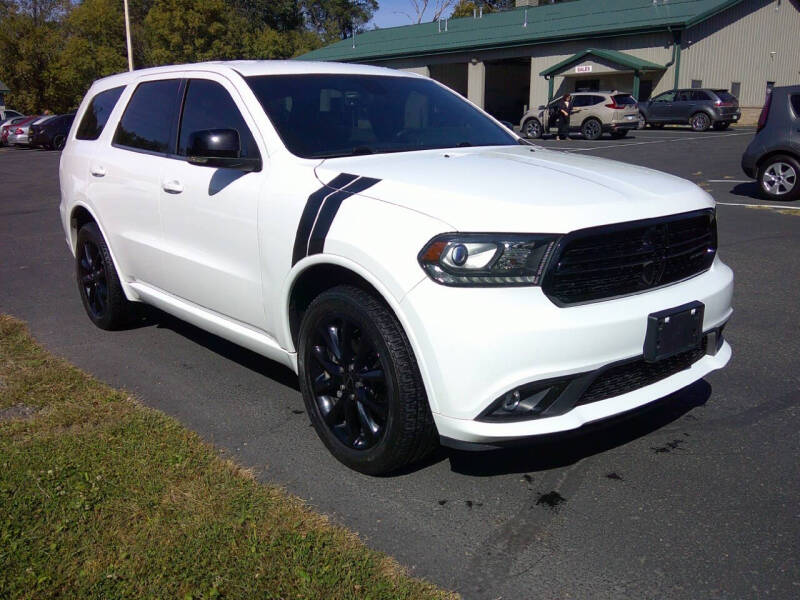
{"x":487,"y":259}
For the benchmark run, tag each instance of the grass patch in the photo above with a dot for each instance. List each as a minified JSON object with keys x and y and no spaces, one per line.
{"x":101,"y":497}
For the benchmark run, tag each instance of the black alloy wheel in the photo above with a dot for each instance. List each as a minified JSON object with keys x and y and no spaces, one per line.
{"x":98,"y":282}
{"x":532,"y":129}
{"x":360,"y":382}
{"x":592,"y":129}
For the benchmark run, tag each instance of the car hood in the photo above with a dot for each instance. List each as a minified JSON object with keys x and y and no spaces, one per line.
{"x":519,"y":188}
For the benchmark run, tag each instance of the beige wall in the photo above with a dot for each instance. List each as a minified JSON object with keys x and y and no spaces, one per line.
{"x":736,"y":45}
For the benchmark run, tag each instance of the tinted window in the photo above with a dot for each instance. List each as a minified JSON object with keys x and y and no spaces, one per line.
{"x":796,"y":105}
{"x":725,"y":96}
{"x":149,"y":116}
{"x":700,"y":96}
{"x":665,"y":97}
{"x":596,"y":100}
{"x":339,"y":115}
{"x":624,"y":100}
{"x":96,"y":115}
{"x":208,"y":105}
{"x":581,"y":101}
{"x":683,"y":96}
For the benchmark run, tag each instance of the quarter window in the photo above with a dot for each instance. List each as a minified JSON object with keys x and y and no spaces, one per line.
{"x":96,"y":115}
{"x":796,"y":105}
{"x":149,"y":117}
{"x":208,"y":105}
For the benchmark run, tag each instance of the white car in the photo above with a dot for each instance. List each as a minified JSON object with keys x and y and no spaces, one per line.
{"x":429,"y":275}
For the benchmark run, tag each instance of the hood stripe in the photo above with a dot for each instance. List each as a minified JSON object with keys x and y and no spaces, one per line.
{"x":311,"y":210}
{"x":329,"y":209}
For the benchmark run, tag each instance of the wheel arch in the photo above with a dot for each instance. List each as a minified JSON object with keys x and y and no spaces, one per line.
{"x":314,"y":275}
{"x":79,"y":215}
{"x":762,"y":160}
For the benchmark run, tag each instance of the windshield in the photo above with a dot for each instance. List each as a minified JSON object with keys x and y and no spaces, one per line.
{"x":624,"y":100}
{"x":324,"y":116}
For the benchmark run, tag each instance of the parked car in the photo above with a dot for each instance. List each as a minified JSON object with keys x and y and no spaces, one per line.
{"x":378,"y":234}
{"x":20,"y":135}
{"x":773,"y":157}
{"x":7,"y":114}
{"x":51,"y":134}
{"x":701,"y":108}
{"x":593,"y":114}
{"x":6,"y":125}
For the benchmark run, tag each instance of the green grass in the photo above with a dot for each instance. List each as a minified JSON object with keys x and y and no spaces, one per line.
{"x":101,"y":497}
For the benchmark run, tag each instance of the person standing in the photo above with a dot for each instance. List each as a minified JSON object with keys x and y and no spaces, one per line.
{"x":564,"y":110}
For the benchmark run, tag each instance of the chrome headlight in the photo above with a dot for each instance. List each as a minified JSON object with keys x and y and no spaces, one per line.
{"x":487,"y":259}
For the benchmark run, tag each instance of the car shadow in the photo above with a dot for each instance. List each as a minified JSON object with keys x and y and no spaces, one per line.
{"x":560,"y":450}
{"x":747,"y":190}
{"x":149,"y":316}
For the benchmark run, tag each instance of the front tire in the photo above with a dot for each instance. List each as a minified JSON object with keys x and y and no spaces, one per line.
{"x":98,"y":282}
{"x":592,"y":129}
{"x":361,"y":384}
{"x":778,"y":178}
{"x":532,"y":129}
{"x":700,"y":121}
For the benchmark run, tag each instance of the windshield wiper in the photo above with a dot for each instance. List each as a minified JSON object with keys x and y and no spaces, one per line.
{"x":357,"y":151}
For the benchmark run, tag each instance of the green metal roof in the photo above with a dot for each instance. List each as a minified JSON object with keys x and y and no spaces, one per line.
{"x":547,"y":23}
{"x":613,"y":56}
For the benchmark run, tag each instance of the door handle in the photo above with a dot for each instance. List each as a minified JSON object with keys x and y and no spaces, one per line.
{"x":98,"y":171}
{"x":173,"y":186}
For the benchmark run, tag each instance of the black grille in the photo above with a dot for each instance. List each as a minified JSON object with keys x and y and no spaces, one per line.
{"x":638,"y":374}
{"x":628,"y":258}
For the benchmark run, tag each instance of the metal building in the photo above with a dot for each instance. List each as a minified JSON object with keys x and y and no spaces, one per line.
{"x":507,"y":61}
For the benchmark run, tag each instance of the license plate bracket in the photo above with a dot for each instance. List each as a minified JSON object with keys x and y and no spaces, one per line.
{"x":672,"y":331}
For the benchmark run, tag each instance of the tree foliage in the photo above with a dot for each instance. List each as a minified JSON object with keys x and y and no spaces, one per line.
{"x":52,"y":50}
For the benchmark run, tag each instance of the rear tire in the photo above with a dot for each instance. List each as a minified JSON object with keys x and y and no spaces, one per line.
{"x":592,"y":129}
{"x":361,"y":384}
{"x":98,"y":282}
{"x":700,"y":121}
{"x":779,"y":178}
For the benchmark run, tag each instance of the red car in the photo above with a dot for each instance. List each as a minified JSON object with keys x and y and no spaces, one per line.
{"x":15,"y":122}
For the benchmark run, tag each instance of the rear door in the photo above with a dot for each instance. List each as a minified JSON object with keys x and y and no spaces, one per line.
{"x":578,"y":113}
{"x":125,"y":175}
{"x":210,"y":215}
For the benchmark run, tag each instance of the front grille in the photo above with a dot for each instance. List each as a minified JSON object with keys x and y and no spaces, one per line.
{"x":628,"y":258}
{"x":638,"y":374}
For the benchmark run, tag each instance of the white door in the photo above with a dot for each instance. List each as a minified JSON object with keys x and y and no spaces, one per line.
{"x":210,"y":215}
{"x":125,"y":177}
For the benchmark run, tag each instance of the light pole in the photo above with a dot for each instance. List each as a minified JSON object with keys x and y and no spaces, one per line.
{"x":128,"y":35}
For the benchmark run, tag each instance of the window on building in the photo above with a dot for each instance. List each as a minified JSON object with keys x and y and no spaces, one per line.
{"x":149,"y":117}
{"x":587,"y":85}
{"x":697,"y":83}
{"x":736,"y":88}
{"x":96,"y":115}
{"x":208,"y":105}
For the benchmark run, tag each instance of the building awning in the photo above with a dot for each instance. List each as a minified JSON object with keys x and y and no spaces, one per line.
{"x":612,"y":57}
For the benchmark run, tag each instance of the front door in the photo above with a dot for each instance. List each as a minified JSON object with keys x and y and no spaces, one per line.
{"x":210,"y":215}
{"x":661,"y":107}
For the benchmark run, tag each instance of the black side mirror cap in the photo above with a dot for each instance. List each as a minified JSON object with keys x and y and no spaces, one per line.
{"x":220,"y":148}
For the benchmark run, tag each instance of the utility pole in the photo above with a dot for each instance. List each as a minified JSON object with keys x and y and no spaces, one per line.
{"x":128,"y":35}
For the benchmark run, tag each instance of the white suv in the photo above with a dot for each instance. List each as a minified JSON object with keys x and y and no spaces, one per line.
{"x":381,"y":236}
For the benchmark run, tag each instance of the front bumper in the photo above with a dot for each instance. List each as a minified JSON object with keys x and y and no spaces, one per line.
{"x":476,"y":344}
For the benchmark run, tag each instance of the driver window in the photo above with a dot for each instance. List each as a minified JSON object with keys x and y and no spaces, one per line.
{"x":665,"y":97}
{"x":208,"y":105}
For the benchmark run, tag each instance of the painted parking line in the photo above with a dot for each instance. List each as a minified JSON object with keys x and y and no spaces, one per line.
{"x":730,"y":180}
{"x":660,"y":141}
{"x":774,"y":206}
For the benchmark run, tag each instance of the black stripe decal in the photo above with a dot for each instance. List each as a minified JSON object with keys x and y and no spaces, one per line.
{"x":310,"y":211}
{"x":329,"y":209}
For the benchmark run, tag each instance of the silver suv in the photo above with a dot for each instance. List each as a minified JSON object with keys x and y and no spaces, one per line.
{"x":593,"y":114}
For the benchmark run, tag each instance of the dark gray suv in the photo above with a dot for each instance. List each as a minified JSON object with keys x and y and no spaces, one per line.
{"x":699,"y":107}
{"x":773,"y":157}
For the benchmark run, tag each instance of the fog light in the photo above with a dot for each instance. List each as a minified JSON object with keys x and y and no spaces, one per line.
{"x":511,"y":401}
{"x":528,"y":401}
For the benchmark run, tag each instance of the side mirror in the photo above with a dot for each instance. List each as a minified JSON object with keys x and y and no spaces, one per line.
{"x":220,"y":148}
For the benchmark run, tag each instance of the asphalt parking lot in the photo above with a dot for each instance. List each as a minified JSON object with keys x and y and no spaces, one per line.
{"x":696,"y":497}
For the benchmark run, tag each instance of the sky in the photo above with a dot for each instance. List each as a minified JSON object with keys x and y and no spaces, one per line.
{"x":389,"y":13}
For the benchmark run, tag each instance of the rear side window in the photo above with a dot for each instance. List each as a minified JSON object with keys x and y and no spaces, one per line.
{"x":796,"y":105}
{"x":699,"y":96}
{"x":149,"y":117}
{"x":208,"y":105}
{"x":624,"y":100}
{"x":96,"y":116}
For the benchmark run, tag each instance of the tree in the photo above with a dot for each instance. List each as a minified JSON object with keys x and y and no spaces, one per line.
{"x":338,"y":19}
{"x":465,"y":8}
{"x":420,"y":7}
